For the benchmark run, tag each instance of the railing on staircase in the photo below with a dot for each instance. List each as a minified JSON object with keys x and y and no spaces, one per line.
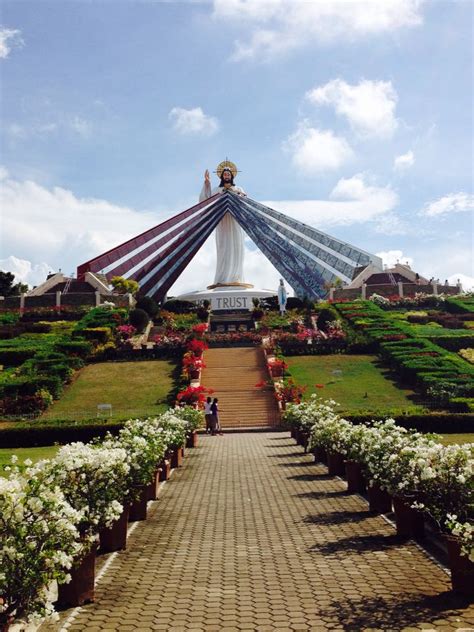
{"x":67,"y":286}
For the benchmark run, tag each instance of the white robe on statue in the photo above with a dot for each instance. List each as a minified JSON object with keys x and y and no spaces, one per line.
{"x":229,"y":242}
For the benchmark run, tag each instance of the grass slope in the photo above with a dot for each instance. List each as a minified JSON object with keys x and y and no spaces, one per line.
{"x":35,"y":454}
{"x":133,"y":389}
{"x":354,"y":381}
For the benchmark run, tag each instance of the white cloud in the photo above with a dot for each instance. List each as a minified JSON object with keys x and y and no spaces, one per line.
{"x":391,"y":257}
{"x":54,"y":225}
{"x":25,"y":271}
{"x":404,"y":161}
{"x":369,"y":106}
{"x":451,"y":203}
{"x":466,"y":281}
{"x":193,"y":122}
{"x":391,"y":224}
{"x":280,"y":26}
{"x":352,"y":201}
{"x":3,"y":173}
{"x":15,"y":131}
{"x":76,"y":124}
{"x":80,"y":126}
{"x":315,"y":150}
{"x":9,"y":38}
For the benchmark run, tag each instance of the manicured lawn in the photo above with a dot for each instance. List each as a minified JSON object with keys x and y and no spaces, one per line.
{"x":354,"y":381}
{"x":133,"y":389}
{"x":467,"y":437}
{"x":35,"y":454}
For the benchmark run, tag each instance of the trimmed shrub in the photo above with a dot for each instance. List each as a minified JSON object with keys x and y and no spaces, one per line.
{"x":442,"y":423}
{"x":178,"y":307}
{"x":29,"y":385}
{"x":148,"y":305}
{"x":454,"y":342}
{"x":325,"y":316}
{"x":139,"y":319}
{"x":98,"y":334}
{"x":39,"y":434}
{"x":15,"y":357}
{"x":79,"y":348}
{"x":460,"y":304}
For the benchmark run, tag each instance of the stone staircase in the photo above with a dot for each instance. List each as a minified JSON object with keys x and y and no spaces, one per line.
{"x":233,"y":372}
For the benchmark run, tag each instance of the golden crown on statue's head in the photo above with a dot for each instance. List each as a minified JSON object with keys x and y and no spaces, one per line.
{"x":226,"y":164}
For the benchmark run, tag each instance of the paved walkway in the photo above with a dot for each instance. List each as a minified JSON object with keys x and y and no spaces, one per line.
{"x":251,"y":535}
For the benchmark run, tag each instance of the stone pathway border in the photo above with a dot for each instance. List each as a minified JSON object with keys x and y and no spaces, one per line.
{"x":251,"y":534}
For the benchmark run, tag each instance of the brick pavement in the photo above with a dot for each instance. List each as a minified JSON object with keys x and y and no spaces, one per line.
{"x":252,"y":535}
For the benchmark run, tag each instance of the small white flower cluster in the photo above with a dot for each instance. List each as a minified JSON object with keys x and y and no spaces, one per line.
{"x":464,"y":531}
{"x":51,"y":512}
{"x":436,"y":478}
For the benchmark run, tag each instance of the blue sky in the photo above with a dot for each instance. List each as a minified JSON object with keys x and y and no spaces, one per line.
{"x":355,"y":117}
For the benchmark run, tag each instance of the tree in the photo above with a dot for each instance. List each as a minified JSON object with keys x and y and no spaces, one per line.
{"x":124,"y":286}
{"x":7,"y":286}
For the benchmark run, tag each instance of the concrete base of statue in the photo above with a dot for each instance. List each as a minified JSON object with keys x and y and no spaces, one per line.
{"x":228,"y":297}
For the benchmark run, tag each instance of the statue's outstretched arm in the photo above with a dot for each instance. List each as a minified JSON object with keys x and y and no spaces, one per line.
{"x":206,"y":188}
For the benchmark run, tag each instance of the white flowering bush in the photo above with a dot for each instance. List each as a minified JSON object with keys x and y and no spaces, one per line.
{"x":175,"y":428}
{"x":331,"y":434}
{"x":93,"y":479}
{"x":40,"y":540}
{"x":306,"y":414}
{"x":447,"y":486}
{"x":144,"y":442}
{"x":192,"y":416}
{"x":465,"y":532}
{"x":435,"y":478}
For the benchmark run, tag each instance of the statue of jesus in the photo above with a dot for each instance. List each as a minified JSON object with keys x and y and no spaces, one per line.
{"x":229,"y":235}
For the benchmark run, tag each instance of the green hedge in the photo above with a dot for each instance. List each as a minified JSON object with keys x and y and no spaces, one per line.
{"x":80,"y":348}
{"x":15,"y":357}
{"x":29,"y":385}
{"x":42,"y":435}
{"x":441,"y":423}
{"x":459,"y":305}
{"x":454,"y":342}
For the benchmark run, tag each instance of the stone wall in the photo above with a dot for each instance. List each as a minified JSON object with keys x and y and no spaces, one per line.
{"x":86,"y":299}
{"x":389,"y":291}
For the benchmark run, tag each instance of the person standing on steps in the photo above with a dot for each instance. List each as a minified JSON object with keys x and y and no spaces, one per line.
{"x":216,"y":424}
{"x":208,"y":414}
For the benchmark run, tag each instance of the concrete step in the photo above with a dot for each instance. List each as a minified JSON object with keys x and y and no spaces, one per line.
{"x":232,"y":373}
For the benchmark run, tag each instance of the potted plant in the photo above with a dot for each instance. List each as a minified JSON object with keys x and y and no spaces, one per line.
{"x":277,"y":366}
{"x":40,"y":541}
{"x":192,"y":365}
{"x":93,"y":479}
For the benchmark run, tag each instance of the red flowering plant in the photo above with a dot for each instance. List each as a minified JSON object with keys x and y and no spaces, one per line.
{"x":277,"y":363}
{"x":277,"y":366}
{"x":194,"y":395}
{"x":197,"y":347}
{"x":264,"y":384}
{"x":126,"y":331}
{"x":200,"y":329}
{"x":335,"y":330}
{"x":304,"y":333}
{"x":289,"y":391}
{"x":191,"y":364}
